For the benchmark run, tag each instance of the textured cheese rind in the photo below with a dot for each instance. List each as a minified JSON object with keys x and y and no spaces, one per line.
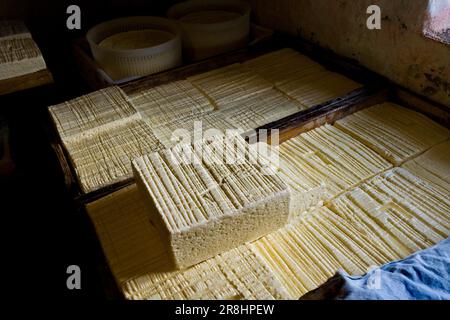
{"x":19,"y":56}
{"x":324,"y":162}
{"x":395,"y":132}
{"x":208,"y":205}
{"x":433,"y":166}
{"x":142,"y":268}
{"x":253,"y":112}
{"x":104,"y":157}
{"x":283,"y":66}
{"x":98,"y":111}
{"x":318,"y":88}
{"x":228,"y":84}
{"x":401,"y":209}
{"x":169,"y":102}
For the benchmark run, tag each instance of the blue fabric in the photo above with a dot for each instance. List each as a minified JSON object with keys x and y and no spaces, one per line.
{"x":424,"y":275}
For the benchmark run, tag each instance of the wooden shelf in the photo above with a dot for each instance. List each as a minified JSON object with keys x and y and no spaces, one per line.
{"x":27,"y":81}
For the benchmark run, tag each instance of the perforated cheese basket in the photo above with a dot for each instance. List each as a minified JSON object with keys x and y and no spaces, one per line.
{"x":202,"y":40}
{"x":125,"y":63}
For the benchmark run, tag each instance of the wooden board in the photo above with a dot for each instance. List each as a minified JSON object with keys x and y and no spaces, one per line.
{"x":28,"y":81}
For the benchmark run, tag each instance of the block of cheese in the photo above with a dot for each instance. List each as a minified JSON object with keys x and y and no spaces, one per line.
{"x":401,"y":209}
{"x":283,"y":66}
{"x":324,"y":162}
{"x":136,"y":39}
{"x":19,"y":56}
{"x":170,"y":102}
{"x":253,"y":112}
{"x":209,"y":197}
{"x":104,"y":157}
{"x":433,"y":166}
{"x":230,"y":83}
{"x":396,"y":133}
{"x":192,"y":128}
{"x":319,"y":87}
{"x":97,"y":111}
{"x":142,"y":268}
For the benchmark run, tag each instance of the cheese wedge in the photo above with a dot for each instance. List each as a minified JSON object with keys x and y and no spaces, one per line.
{"x":143,"y":270}
{"x":396,"y":133}
{"x":103,"y":158}
{"x":98,"y":111}
{"x":210,"y":197}
{"x":433,"y":166}
{"x":229,"y":84}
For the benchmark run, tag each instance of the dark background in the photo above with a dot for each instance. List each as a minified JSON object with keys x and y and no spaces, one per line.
{"x":44,"y":232}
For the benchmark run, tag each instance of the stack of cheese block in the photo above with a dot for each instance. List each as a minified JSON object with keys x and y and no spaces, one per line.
{"x":103,"y":131}
{"x":19,"y":54}
{"x":371,"y":214}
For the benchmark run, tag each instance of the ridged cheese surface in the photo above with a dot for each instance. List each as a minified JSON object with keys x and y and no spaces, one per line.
{"x":169,"y":102}
{"x":142,"y":268}
{"x":210,"y":197}
{"x":104,"y":157}
{"x":301,"y":78}
{"x":230,"y":83}
{"x":97,"y":111}
{"x":396,"y":133}
{"x":256,"y":111}
{"x":19,"y":56}
{"x":433,"y":166}
{"x":326,"y":158}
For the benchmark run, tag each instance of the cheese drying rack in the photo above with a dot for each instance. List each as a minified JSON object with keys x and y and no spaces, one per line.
{"x":376,"y":89}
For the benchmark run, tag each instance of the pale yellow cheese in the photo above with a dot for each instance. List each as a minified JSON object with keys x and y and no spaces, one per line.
{"x":230,"y":83}
{"x":98,"y":111}
{"x":142,"y":268}
{"x":396,"y":133}
{"x":136,"y":39}
{"x":104,"y":157}
{"x":19,"y":56}
{"x":210,"y":197}
{"x":325,"y":159}
{"x":433,"y":166}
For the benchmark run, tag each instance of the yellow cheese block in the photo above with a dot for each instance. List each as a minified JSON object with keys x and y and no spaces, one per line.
{"x":319,"y":87}
{"x":104,"y":157}
{"x":142,"y":268}
{"x":229,"y":84}
{"x":326,"y":158}
{"x":170,"y":102}
{"x":98,"y":111}
{"x":256,"y":111}
{"x":19,"y":56}
{"x":210,"y":197}
{"x":433,"y":166}
{"x":396,"y":133}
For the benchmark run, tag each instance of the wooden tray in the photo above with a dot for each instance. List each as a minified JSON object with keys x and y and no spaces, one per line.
{"x":27,"y":81}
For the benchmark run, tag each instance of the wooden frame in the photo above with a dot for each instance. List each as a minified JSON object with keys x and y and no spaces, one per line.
{"x":27,"y":81}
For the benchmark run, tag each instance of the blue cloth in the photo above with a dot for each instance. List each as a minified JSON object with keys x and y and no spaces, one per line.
{"x":424,"y":275}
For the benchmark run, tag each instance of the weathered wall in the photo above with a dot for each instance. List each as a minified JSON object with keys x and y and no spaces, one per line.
{"x":398,"y":51}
